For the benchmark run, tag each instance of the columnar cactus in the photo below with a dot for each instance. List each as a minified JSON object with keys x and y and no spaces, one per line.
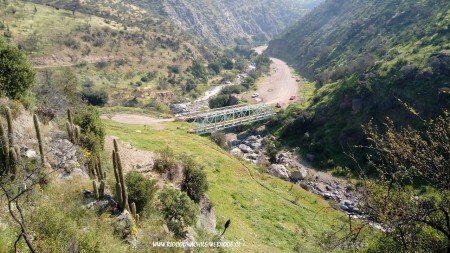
{"x":69,"y":116}
{"x":38,"y":135}
{"x":101,"y":189}
{"x":133,"y":212}
{"x":13,"y":163}
{"x":10,"y":127}
{"x":4,"y":151}
{"x":121,"y":190}
{"x":96,"y":193}
{"x":73,"y":131}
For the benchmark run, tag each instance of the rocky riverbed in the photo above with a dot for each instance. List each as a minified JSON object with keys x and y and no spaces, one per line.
{"x":290,"y":167}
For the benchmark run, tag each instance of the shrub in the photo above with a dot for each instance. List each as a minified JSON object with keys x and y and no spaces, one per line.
{"x":195,"y":183}
{"x":174,"y":69}
{"x":178,"y":209}
{"x":141,"y":190}
{"x":91,"y":127}
{"x":17,"y":74}
{"x":165,"y":160}
{"x":96,"y":98}
{"x":218,"y":101}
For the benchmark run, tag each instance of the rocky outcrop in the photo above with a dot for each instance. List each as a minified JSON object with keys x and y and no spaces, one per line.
{"x":278,"y":170}
{"x":207,"y":218}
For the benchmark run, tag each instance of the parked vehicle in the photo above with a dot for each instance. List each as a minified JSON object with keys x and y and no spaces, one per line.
{"x":292,"y":98}
{"x":255,"y":95}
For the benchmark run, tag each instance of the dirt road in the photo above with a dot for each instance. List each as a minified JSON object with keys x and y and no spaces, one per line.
{"x":156,"y":123}
{"x":279,"y":86}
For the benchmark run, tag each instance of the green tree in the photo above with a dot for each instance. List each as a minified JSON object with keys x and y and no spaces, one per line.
{"x":178,"y":209}
{"x":141,"y":190}
{"x":414,"y":221}
{"x":16,"y":72}
{"x":195,"y":183}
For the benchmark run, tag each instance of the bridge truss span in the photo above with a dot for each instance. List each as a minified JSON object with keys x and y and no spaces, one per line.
{"x":216,"y":120}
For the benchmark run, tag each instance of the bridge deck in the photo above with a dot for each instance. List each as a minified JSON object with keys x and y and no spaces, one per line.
{"x":227,"y":117}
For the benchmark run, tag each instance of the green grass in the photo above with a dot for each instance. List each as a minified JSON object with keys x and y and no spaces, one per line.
{"x":264,"y":213}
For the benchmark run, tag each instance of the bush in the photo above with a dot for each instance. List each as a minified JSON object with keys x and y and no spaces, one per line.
{"x":174,"y":69}
{"x":178,"y":209}
{"x":96,"y":98}
{"x":17,"y":74}
{"x":218,"y":101}
{"x":165,"y":160}
{"x":233,"y":89}
{"x":91,"y":127}
{"x":141,"y":190}
{"x":195,"y":183}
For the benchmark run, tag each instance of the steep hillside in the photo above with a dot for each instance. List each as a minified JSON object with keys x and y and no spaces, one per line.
{"x":219,"y":22}
{"x":134,"y":59}
{"x":364,"y":57}
{"x":228,"y":22}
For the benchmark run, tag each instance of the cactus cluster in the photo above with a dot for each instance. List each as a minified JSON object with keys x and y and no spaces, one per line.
{"x":121,"y":190}
{"x":9,"y":153}
{"x":73,"y":131}
{"x":96,"y":172}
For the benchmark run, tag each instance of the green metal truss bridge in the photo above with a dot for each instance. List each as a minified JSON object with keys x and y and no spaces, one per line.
{"x":226,"y":117}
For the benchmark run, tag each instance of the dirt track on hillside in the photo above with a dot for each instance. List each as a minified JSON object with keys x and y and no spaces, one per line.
{"x":135,"y":119}
{"x":279,"y":86}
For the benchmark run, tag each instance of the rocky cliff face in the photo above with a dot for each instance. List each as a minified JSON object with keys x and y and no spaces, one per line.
{"x":232,"y":21}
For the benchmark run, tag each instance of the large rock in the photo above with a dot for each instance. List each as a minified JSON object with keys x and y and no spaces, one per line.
{"x":178,"y":108}
{"x":253,"y":156}
{"x":207,"y":218}
{"x":245,"y":148}
{"x":299,"y":174}
{"x":279,"y":170}
{"x":236,"y":152}
{"x":29,"y":153}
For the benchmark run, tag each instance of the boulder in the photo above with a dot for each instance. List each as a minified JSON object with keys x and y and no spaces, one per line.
{"x":30,"y":153}
{"x":327,"y":195}
{"x":178,"y":108}
{"x":236,"y":152}
{"x":207,"y":218}
{"x":244,"y":148}
{"x":299,"y":174}
{"x":279,"y":170}
{"x":253,"y":156}
{"x":255,"y":145}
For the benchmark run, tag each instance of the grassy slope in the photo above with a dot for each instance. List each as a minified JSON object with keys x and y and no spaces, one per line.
{"x":263,"y":216}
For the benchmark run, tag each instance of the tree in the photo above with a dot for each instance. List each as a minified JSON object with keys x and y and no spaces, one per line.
{"x":178,"y":209}
{"x":16,"y":72}
{"x":414,"y":221}
{"x":195,"y":183}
